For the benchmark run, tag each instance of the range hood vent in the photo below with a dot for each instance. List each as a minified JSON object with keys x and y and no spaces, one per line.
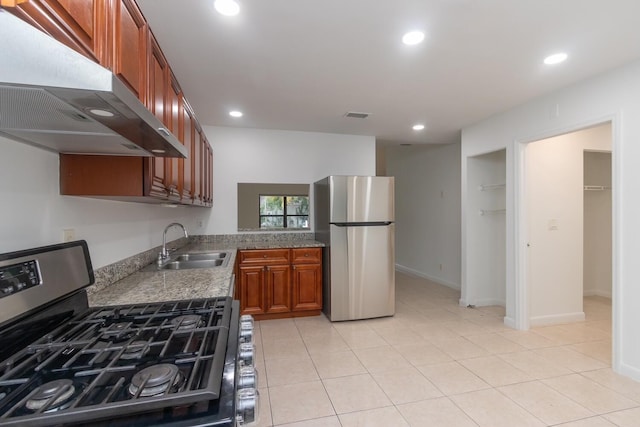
{"x":55,"y":98}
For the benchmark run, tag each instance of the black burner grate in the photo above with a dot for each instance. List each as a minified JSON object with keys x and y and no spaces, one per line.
{"x":102,"y":349}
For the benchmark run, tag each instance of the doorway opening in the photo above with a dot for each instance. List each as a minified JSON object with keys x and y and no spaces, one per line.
{"x":485,"y":282}
{"x":569,"y":259}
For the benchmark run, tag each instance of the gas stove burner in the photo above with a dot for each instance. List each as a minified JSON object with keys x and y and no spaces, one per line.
{"x":42,"y":396}
{"x":135,"y":350}
{"x":118,"y":332}
{"x":116,"y":327}
{"x":189,"y":321}
{"x":156,"y":380}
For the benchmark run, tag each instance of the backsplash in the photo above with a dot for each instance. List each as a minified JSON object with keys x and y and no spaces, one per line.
{"x":120,"y":269}
{"x":235,"y":239}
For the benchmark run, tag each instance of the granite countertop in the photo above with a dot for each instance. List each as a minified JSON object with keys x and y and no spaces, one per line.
{"x":167,"y":285}
{"x":171,"y":285}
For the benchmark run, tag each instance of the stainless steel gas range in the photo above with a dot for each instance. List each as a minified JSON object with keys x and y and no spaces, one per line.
{"x":180,"y":363}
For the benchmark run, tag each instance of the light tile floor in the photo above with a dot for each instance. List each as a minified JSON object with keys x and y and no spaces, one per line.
{"x":438,"y":364}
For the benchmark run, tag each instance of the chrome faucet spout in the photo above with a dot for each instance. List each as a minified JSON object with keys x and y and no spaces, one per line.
{"x":164,"y":254}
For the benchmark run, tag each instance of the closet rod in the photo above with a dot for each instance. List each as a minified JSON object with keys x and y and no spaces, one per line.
{"x":485,"y":187}
{"x":596,"y":188}
{"x":483,"y":212}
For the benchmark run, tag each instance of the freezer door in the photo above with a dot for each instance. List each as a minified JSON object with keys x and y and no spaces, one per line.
{"x":361,"y":199}
{"x":362,"y":282}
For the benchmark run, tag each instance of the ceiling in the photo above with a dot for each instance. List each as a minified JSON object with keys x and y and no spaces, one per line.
{"x":302,"y":64}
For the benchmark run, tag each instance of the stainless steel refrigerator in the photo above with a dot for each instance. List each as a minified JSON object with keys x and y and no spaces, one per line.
{"x":354,"y":218}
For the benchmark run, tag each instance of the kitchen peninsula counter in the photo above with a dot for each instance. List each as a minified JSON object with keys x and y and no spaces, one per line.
{"x":171,"y":285}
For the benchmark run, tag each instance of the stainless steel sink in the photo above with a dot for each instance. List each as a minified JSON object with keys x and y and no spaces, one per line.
{"x":191,"y":260}
{"x":201,"y":256}
{"x":183,"y":265}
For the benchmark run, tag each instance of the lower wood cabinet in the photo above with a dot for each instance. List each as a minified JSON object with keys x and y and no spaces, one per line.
{"x":307,"y":287}
{"x":276,"y":283}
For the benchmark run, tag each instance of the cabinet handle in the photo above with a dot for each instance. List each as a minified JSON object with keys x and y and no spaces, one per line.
{"x":264,"y":256}
{"x":306,"y":254}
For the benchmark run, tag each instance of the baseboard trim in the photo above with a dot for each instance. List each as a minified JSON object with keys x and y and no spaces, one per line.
{"x":489,"y":301}
{"x":416,"y":273}
{"x":629,"y":371}
{"x":555,"y":319}
{"x":597,"y":293}
{"x":510,"y":322}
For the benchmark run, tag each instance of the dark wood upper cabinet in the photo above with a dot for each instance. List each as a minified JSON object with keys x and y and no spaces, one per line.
{"x":158,"y":73}
{"x":79,"y":24}
{"x":208,"y":174}
{"x":186,"y":166}
{"x":198,"y":175}
{"x":115,"y":34}
{"x":128,"y":47}
{"x":174,"y":177}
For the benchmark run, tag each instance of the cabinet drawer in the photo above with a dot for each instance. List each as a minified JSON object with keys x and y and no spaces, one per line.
{"x":306,"y":255}
{"x":264,"y":256}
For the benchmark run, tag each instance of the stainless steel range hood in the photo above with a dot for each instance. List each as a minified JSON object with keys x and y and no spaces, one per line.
{"x":55,"y":98}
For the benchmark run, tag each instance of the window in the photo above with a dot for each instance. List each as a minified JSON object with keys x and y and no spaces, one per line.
{"x":284,"y":211}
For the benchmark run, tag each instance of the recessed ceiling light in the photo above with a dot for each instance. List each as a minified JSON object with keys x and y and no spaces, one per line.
{"x":418,"y":127}
{"x":556,"y":58}
{"x":100,"y":112}
{"x":235,"y":113}
{"x":413,"y":37}
{"x":227,"y":7}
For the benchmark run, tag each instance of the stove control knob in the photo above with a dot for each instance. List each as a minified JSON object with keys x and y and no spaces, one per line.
{"x":7,"y":290}
{"x":247,"y":406}
{"x":246,"y":352}
{"x":247,"y":377}
{"x":246,"y":333}
{"x":246,"y":318}
{"x":246,"y":328}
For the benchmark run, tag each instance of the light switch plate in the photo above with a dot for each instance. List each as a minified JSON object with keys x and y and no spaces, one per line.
{"x":68,"y":234}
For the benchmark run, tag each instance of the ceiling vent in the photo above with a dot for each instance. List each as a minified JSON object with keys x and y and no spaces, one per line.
{"x":355,"y":115}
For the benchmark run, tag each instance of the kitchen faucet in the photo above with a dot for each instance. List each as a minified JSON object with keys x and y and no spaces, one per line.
{"x":164,"y":254}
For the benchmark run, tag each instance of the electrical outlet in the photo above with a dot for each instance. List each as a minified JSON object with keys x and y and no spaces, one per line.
{"x":199,"y":224}
{"x":68,"y":234}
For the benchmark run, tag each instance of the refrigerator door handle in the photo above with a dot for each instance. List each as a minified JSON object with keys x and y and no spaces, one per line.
{"x":362,"y":224}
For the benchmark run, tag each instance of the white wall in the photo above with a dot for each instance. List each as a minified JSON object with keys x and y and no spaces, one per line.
{"x":597,"y":225}
{"x":427,"y":210}
{"x":274,"y":156}
{"x":485,"y":283}
{"x":33,"y":212}
{"x":555,"y":208}
{"x":611,"y":96}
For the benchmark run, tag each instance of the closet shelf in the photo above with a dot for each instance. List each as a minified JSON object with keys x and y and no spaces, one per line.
{"x":488,"y":187}
{"x":596,"y":188}
{"x":483,"y":212}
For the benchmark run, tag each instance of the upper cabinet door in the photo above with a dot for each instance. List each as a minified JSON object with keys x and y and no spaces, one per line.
{"x":197,"y":174}
{"x":174,"y":113}
{"x":80,"y":24}
{"x":128,"y":47}
{"x":188,"y":139}
{"x":158,"y":73}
